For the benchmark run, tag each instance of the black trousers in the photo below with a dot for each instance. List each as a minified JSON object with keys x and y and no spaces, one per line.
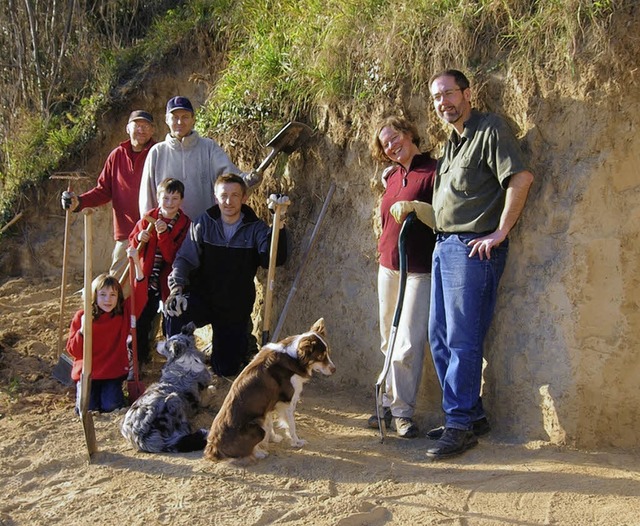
{"x":230,"y":349}
{"x":147,"y":326}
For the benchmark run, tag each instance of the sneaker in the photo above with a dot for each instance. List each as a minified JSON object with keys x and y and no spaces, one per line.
{"x":405,"y":427}
{"x":453,"y":442}
{"x":386,"y":415}
{"x":480,"y":427}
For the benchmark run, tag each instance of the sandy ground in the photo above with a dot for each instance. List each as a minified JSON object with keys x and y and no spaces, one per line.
{"x":343,"y":476}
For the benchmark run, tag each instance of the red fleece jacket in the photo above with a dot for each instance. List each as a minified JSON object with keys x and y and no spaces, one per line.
{"x":168,"y":242}
{"x":109,"y":343}
{"x":119,"y":182}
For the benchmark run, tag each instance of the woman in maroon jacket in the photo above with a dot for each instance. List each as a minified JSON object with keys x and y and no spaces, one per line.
{"x":111,"y":315}
{"x":410,"y":178}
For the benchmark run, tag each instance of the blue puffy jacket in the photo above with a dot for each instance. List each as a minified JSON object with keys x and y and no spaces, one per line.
{"x":222,"y":272}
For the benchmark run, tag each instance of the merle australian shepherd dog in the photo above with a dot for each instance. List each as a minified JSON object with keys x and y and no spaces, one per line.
{"x":158,"y":421}
{"x":269,"y":387}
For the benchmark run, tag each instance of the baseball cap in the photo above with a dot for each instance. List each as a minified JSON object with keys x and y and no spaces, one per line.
{"x":179,"y":103}
{"x":140,"y":114}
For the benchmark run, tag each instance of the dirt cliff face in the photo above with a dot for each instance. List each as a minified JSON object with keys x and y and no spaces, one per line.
{"x":561,"y":357}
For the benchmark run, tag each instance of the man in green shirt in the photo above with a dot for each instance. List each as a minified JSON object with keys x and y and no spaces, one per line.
{"x":481,"y":187}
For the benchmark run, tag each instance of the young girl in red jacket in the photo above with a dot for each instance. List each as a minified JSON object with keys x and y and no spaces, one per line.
{"x":158,"y":248}
{"x":111,"y":324}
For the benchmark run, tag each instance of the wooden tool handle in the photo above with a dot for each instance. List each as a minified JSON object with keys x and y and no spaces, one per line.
{"x":273,"y":252}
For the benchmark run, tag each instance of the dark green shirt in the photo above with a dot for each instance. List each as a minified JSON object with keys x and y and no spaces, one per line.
{"x":473,"y":175}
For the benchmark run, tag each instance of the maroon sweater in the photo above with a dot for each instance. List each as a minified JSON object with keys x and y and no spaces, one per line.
{"x":119,"y":182}
{"x":413,"y":185}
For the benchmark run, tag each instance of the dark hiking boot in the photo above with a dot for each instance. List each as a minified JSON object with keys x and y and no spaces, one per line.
{"x":480,"y":427}
{"x":453,"y":442}
{"x":373,"y":419}
{"x":405,"y":427}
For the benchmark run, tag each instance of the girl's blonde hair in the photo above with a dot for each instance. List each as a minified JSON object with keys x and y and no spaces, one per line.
{"x":109,"y":281}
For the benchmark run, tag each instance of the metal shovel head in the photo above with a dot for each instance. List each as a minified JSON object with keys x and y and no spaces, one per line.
{"x":85,"y":415}
{"x":62,"y":370}
{"x":290,"y":137}
{"x":89,"y":430}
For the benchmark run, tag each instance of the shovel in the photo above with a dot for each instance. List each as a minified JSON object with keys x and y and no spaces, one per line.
{"x":87,"y":350}
{"x":287,"y":140}
{"x":135,"y":387}
{"x":62,"y":370}
{"x":396,"y":320}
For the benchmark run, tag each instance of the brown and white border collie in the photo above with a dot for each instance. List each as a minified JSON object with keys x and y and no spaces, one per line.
{"x":271,"y":383}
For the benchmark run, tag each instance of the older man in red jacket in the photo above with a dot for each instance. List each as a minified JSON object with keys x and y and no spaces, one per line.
{"x":119,"y":182}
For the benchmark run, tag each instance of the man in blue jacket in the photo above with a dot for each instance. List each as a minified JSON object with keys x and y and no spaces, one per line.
{"x":212,"y":281}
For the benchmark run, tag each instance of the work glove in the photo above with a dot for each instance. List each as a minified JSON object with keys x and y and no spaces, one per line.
{"x":67,"y":199}
{"x":253,"y":178}
{"x":279,"y":200}
{"x":176,"y":303}
{"x":424,"y":212}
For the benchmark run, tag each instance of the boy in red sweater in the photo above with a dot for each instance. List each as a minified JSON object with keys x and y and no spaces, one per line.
{"x":111,"y":315}
{"x":158,"y":247}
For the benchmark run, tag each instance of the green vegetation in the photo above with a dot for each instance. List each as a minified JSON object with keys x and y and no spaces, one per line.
{"x":105,"y":50}
{"x":282,"y":59}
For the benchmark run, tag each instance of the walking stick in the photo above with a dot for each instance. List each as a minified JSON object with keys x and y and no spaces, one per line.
{"x":87,"y":351}
{"x":63,"y":286}
{"x":305,"y":260}
{"x":396,"y":321}
{"x":273,"y":252}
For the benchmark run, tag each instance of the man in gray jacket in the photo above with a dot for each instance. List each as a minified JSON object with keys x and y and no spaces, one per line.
{"x":185,"y":155}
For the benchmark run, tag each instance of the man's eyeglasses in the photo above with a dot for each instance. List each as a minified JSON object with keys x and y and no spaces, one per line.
{"x":437,"y":97}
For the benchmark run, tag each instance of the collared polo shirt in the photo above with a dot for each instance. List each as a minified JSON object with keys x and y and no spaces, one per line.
{"x":473,"y":175}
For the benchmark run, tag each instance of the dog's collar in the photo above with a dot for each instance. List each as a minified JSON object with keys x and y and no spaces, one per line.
{"x":292,"y":349}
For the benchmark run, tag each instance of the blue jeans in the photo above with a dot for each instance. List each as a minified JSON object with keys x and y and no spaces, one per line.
{"x":463,"y":299}
{"x":105,"y":395}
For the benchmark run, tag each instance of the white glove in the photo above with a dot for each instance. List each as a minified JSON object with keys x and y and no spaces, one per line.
{"x":424,"y":212}
{"x":176,"y":303}
{"x":277,"y":199}
{"x":81,"y":329}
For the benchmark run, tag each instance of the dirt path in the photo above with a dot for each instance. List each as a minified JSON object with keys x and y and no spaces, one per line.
{"x":344,"y":476}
